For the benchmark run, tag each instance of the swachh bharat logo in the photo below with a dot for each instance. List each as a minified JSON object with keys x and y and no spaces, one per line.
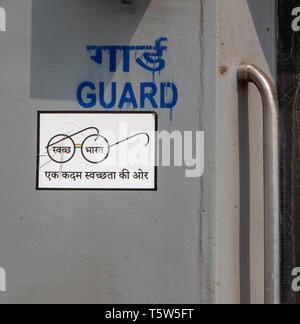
{"x":2,"y":19}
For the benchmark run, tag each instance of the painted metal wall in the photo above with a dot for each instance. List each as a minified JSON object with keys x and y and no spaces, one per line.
{"x":180,"y":244}
{"x":107,"y":247}
{"x":247,"y":34}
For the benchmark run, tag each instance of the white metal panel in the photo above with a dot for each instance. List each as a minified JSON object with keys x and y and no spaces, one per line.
{"x":247,"y":34}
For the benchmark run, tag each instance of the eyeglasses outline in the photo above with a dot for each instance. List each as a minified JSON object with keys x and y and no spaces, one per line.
{"x":70,"y":137}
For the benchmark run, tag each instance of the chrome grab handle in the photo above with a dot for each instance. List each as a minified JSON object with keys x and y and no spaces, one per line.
{"x":246,"y":74}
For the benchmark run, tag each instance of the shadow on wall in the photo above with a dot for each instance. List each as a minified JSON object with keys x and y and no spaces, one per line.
{"x":245,"y":204}
{"x":266,"y":29}
{"x":61,"y":30}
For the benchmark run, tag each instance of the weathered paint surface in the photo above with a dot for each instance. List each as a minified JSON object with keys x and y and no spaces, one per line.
{"x":247,"y":34}
{"x":95,"y":247}
{"x":133,"y":247}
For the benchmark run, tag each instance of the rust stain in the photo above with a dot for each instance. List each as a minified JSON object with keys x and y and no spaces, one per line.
{"x":223,"y":70}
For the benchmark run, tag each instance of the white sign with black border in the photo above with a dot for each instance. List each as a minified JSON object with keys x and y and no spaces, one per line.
{"x":96,"y":151}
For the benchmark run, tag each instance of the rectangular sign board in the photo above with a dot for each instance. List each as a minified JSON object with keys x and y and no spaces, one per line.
{"x":96,"y":151}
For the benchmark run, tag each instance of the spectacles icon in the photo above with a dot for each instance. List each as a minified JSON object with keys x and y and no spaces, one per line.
{"x":95,"y":148}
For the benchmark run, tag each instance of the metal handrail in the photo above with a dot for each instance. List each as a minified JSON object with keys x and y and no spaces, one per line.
{"x":246,"y":74}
